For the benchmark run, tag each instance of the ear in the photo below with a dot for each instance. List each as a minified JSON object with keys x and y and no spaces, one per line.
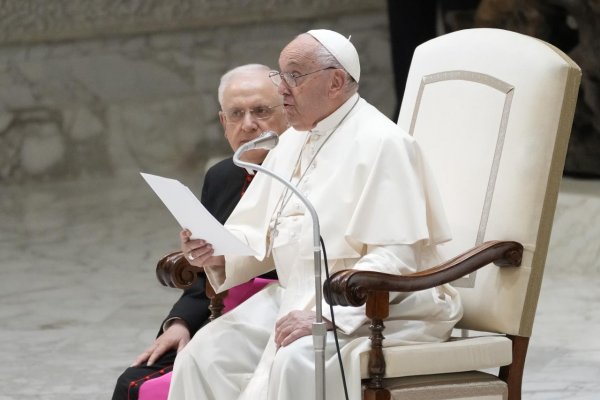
{"x":337,"y":83}
{"x":223,"y":121}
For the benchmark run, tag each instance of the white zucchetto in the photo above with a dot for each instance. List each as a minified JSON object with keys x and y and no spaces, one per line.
{"x":341,"y":48}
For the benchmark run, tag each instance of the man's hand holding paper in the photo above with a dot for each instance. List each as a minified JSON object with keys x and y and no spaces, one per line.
{"x":199,"y":252}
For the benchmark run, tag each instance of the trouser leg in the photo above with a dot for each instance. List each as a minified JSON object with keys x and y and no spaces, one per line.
{"x":129,"y":382}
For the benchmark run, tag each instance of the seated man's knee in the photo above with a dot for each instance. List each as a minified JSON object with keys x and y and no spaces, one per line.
{"x":124,"y":381}
{"x":293,"y":363}
{"x":295,"y":357}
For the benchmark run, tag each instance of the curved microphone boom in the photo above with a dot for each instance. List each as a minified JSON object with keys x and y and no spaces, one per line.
{"x":268,"y":140}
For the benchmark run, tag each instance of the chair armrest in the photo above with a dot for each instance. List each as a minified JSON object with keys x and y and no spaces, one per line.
{"x":175,"y":271}
{"x":350,"y":287}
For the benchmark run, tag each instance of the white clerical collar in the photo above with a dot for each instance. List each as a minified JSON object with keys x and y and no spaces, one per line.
{"x":332,"y":120}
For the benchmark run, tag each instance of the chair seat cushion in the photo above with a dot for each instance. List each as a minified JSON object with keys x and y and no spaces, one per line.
{"x":455,"y":355}
{"x":457,"y":386}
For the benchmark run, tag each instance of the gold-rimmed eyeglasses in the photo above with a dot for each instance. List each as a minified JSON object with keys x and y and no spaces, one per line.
{"x":259,"y":112}
{"x":290,"y":78}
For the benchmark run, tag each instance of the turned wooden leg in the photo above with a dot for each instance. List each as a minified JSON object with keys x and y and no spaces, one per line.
{"x":377,"y":310}
{"x":216,"y":301}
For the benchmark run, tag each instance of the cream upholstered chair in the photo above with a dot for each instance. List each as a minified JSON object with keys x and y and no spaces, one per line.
{"x":492,"y":111}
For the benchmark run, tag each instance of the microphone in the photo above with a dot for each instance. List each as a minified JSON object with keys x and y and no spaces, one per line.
{"x":266,"y":140}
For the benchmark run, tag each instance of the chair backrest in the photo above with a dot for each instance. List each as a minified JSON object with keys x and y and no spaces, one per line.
{"x":493,"y":110}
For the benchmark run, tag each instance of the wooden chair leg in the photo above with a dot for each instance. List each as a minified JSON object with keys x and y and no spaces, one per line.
{"x":216,"y":301}
{"x":377,"y":310}
{"x":513,"y":374}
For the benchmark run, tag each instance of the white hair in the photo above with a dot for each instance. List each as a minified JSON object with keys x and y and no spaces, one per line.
{"x":243,"y":69}
{"x":326,"y":59}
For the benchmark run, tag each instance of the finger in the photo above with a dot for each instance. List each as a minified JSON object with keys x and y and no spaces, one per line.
{"x":283,"y":332}
{"x":279,"y":336}
{"x":293,"y":336}
{"x":184,"y":235}
{"x":141,"y":358}
{"x":159,"y":351}
{"x":156,"y":354}
{"x":280,"y":321}
{"x":196,"y":246}
{"x":285,"y":338}
{"x":284,"y":321}
{"x":186,"y":243}
{"x":201,"y":256}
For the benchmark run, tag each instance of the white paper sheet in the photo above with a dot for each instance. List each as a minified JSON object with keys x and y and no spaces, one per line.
{"x":192,"y":215}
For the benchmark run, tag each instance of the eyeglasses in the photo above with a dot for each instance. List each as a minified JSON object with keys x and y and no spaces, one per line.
{"x":258,"y":112}
{"x":290,"y":78}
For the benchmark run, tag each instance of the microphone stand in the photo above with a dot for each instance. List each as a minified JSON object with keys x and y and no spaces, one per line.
{"x":319,"y":329}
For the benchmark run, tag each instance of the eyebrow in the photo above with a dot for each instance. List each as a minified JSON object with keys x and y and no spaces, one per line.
{"x":294,"y":64}
{"x":235,"y":108}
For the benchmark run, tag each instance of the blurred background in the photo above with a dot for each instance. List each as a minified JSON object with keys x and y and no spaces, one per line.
{"x":94,"y":91}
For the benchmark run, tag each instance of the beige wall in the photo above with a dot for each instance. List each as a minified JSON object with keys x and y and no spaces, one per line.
{"x":107,"y":88}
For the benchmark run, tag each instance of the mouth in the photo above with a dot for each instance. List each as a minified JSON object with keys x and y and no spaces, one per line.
{"x":244,"y":141}
{"x":286,"y":103}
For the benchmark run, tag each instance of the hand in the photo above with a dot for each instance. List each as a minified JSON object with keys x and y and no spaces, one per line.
{"x":176,"y":336}
{"x":295,"y":325}
{"x":197,"y":251}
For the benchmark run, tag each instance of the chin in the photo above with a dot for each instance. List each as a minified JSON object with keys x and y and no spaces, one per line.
{"x":302,"y":127}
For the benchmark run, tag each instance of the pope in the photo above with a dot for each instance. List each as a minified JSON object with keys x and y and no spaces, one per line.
{"x":379,"y":210}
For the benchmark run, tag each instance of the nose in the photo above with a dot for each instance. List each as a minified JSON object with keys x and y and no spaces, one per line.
{"x":282,"y":88}
{"x":249,"y":123}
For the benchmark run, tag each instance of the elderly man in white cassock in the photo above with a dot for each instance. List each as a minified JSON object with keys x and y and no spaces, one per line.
{"x":379,"y":210}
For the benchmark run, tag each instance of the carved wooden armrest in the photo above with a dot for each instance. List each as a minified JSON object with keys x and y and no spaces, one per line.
{"x":174,"y":270}
{"x":350,"y":287}
{"x":355,"y":288}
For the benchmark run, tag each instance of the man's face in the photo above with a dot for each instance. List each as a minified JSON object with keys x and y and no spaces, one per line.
{"x":246,"y":98}
{"x":308,"y":102}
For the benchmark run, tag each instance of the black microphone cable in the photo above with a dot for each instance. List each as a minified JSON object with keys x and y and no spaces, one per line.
{"x":335,"y":335}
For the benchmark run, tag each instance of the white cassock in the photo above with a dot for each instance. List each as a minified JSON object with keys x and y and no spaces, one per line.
{"x":379,"y":210}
